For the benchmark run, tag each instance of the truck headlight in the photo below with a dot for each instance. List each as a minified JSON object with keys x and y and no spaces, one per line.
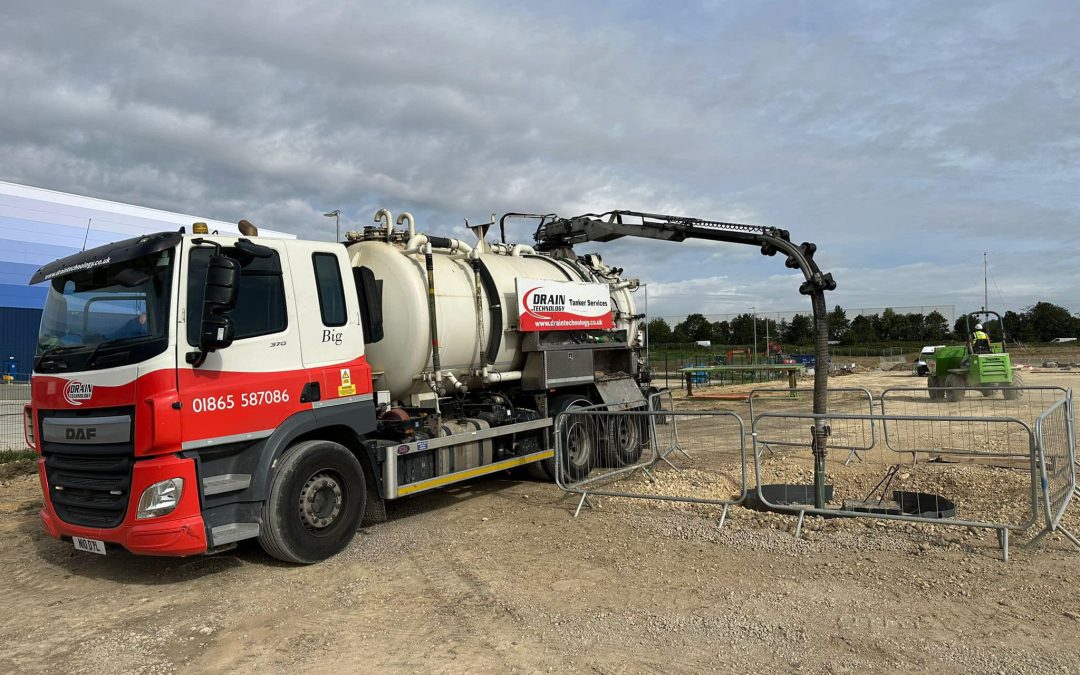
{"x":160,"y":498}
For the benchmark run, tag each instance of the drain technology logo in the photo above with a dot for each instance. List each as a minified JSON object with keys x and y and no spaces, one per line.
{"x":562,"y":305}
{"x":76,"y":392}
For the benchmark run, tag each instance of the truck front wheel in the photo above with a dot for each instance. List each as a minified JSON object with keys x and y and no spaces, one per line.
{"x":955,"y":392}
{"x":933,"y":385}
{"x":317,"y":500}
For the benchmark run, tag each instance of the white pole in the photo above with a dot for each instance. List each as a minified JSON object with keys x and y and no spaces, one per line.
{"x":753,"y":357}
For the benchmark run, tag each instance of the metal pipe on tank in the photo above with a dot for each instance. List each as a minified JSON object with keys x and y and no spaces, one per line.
{"x":407,"y":217}
{"x":454,"y":382}
{"x":511,"y":376}
{"x":521,"y":249}
{"x":417,"y":243}
{"x":384,"y":216}
{"x":436,"y":364}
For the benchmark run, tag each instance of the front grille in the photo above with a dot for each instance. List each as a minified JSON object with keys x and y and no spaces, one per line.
{"x":89,"y":483}
{"x":91,"y":491}
{"x":994,"y":368}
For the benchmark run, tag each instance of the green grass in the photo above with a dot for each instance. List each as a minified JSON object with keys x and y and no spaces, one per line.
{"x":15,"y":455}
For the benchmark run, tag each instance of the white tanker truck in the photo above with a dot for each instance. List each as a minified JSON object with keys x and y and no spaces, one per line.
{"x":194,"y":390}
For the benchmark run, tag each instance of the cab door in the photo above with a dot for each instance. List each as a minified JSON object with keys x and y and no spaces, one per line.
{"x":331,"y":337}
{"x":246,"y":390}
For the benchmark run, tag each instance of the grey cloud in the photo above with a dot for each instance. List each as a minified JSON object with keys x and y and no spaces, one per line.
{"x":891,"y":135}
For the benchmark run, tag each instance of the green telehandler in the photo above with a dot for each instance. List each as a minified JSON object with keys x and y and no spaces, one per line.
{"x":984,"y":366}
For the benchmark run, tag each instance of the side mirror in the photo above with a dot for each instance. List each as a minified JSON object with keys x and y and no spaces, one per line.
{"x":222,"y":289}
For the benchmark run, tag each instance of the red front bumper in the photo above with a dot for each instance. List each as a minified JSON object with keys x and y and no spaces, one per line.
{"x":179,"y":533}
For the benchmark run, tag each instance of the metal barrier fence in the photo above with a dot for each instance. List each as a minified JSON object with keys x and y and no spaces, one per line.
{"x":992,"y":487}
{"x":1030,"y":402}
{"x":1057,"y":444}
{"x":854,"y":435}
{"x":12,"y":399}
{"x":967,"y":433}
{"x":980,"y":462}
{"x":656,"y":453}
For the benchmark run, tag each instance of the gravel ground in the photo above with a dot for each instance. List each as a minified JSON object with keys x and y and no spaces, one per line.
{"x":497,"y":576}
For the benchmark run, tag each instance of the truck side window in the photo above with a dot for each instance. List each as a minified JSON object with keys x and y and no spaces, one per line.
{"x":330,"y":289}
{"x":260,"y":306}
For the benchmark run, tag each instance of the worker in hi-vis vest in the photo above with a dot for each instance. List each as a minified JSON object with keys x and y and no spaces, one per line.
{"x":980,"y":341}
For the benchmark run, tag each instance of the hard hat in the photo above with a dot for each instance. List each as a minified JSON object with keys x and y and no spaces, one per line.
{"x":978,"y":326}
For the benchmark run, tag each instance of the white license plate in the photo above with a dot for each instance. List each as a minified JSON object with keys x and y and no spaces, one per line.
{"x":89,"y":545}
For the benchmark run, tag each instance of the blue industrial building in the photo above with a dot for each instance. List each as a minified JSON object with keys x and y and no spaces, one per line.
{"x":38,"y":226}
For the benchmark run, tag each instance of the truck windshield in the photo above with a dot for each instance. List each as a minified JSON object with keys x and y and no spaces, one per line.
{"x":106,"y":316}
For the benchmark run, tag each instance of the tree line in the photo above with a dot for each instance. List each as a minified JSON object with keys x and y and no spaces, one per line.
{"x":1041,"y":322}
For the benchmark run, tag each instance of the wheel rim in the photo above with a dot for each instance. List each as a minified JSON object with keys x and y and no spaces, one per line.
{"x":578,"y":447}
{"x":321,"y":501}
{"x":624,"y":435}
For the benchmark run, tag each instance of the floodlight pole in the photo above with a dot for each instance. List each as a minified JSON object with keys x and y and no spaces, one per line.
{"x":336,"y":214}
{"x":753,"y":357}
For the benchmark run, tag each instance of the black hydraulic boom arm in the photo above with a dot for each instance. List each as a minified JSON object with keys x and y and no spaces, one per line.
{"x":603,"y":227}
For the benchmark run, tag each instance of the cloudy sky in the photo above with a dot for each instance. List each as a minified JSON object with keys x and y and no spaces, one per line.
{"x":903,"y":138}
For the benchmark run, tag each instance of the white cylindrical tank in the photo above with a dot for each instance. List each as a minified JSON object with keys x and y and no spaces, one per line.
{"x":403,"y":356}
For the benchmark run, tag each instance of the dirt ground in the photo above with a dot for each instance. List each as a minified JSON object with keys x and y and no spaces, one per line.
{"x":498,"y":576}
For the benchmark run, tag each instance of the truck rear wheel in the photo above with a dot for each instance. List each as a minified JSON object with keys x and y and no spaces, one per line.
{"x":578,"y":441}
{"x":1015,"y":391}
{"x":624,"y":439}
{"x":317,"y":500}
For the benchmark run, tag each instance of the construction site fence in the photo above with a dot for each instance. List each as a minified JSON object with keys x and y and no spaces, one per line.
{"x":922,"y":477}
{"x":854,"y":435}
{"x":1055,"y":434}
{"x":13,"y":397}
{"x":652,"y":452}
{"x":981,"y":462}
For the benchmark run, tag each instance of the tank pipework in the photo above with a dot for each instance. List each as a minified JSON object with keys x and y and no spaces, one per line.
{"x":454,"y":382}
{"x":436,"y":362}
{"x":510,"y":376}
{"x":385,"y":217}
{"x":407,"y":217}
{"x":416,"y":244}
{"x":519,"y":250}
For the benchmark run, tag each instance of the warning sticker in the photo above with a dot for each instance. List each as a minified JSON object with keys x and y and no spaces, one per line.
{"x":347,"y":388}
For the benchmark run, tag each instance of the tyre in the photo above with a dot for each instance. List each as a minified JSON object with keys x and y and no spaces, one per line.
{"x":623,"y":439}
{"x":579,"y":439}
{"x":1015,"y":391}
{"x":934,"y":387}
{"x":987,"y":391}
{"x":954,"y":395}
{"x":536,"y":471}
{"x":317,"y":499}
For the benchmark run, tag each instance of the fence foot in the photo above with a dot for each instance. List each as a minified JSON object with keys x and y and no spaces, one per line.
{"x":852,"y":454}
{"x":678,"y":449}
{"x":1037,"y":539}
{"x":1069,"y":536}
{"x":648,"y":474}
{"x":583,"y":502}
{"x":667,"y":461}
{"x":1045,"y":531}
{"x":798,"y":526}
{"x":723,"y":517}
{"x":1003,"y":541}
